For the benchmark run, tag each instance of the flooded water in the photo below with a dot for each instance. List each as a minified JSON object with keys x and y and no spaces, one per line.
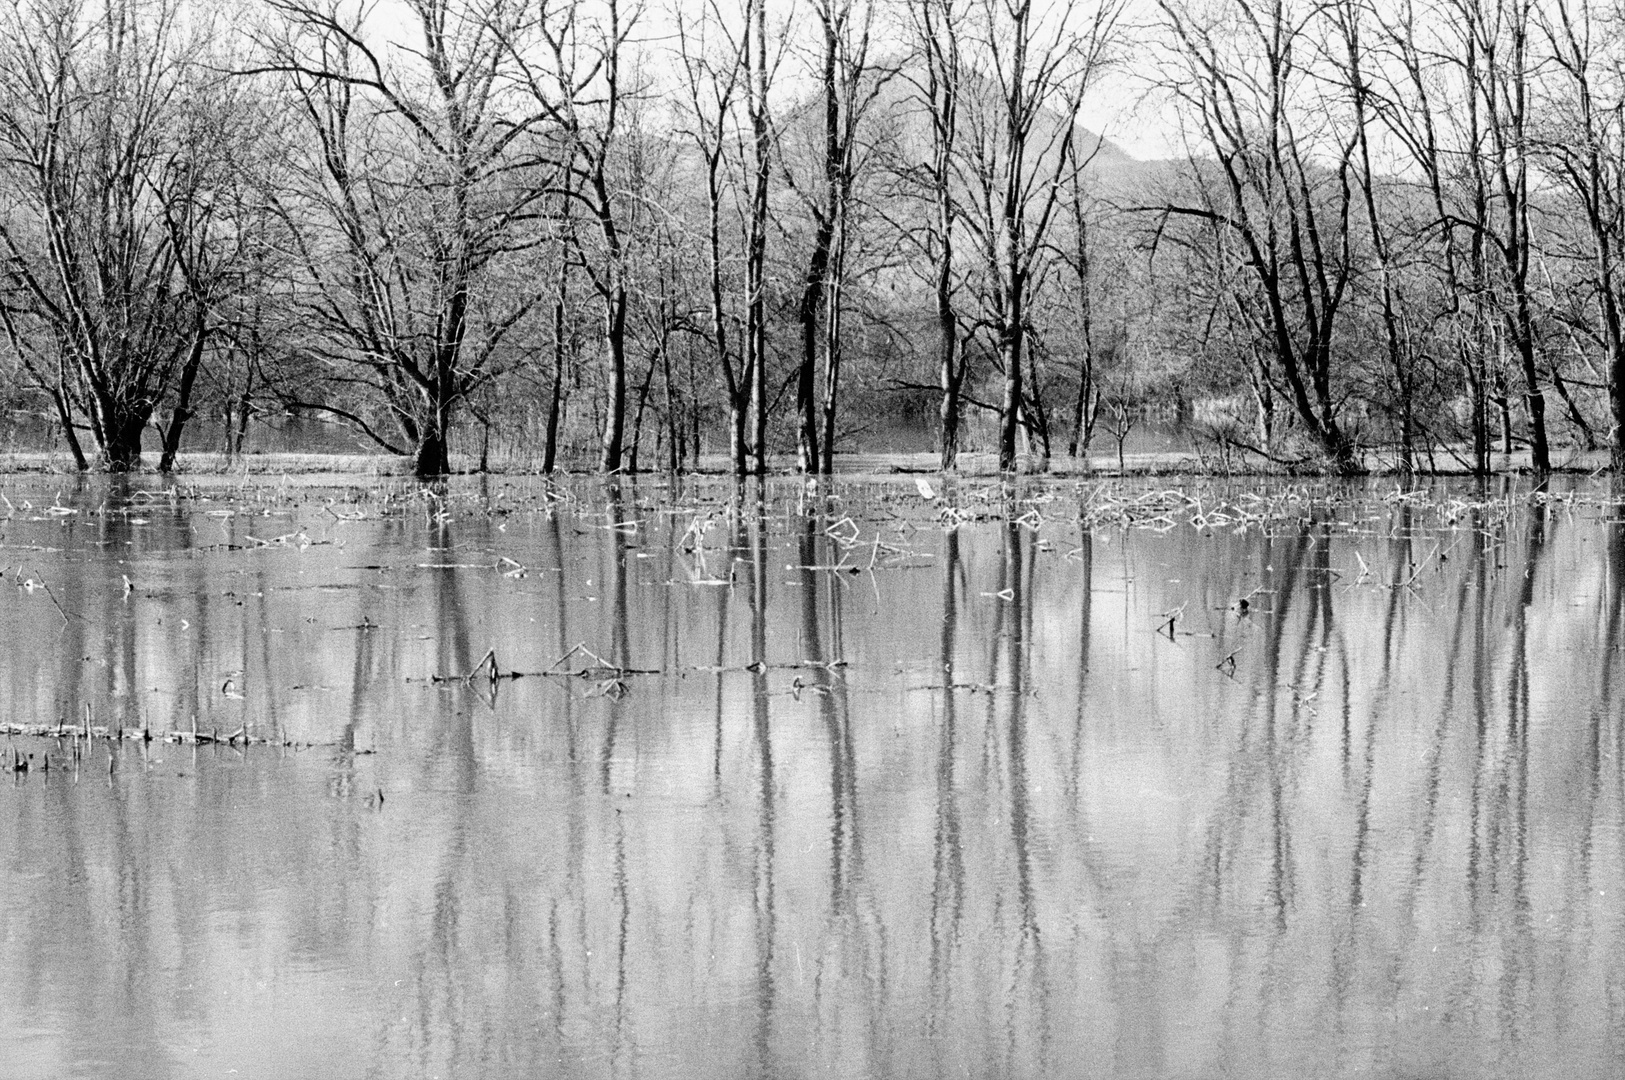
{"x":837,"y":792}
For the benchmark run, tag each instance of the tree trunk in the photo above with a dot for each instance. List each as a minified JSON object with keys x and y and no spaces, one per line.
{"x":550,"y":440}
{"x":71,"y":437}
{"x":812,"y":299}
{"x":1540,"y":454}
{"x":1478,"y":404}
{"x":1616,"y":409}
{"x":237,"y":417}
{"x":1083,"y":407}
{"x":1011,"y":249}
{"x":609,"y":461}
{"x":738,"y":446}
{"x":1034,"y":417}
{"x":674,"y":426}
{"x":1083,"y":427}
{"x":121,"y":445}
{"x":1010,"y":351}
{"x":431,"y":456}
{"x":756,"y":254}
{"x":951,"y":373}
{"x":183,"y":400}
{"x":430,"y":459}
{"x":637,"y":413}
{"x":1265,"y":399}
{"x":1503,"y":406}
{"x":555,"y":400}
{"x":832,"y":374}
{"x":939,"y":41}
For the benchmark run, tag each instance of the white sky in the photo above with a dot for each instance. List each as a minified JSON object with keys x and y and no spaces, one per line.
{"x":1119,"y":109}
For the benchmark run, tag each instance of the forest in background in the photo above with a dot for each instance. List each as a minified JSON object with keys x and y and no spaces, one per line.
{"x":621,"y":234}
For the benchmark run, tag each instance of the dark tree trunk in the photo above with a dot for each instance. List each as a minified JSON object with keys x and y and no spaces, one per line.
{"x":609,"y":461}
{"x":940,"y":43}
{"x":832,"y":376}
{"x":65,"y":417}
{"x":1616,"y":408}
{"x":1010,"y":350}
{"x":756,"y":241}
{"x":950,"y":373}
{"x":431,"y":460}
{"x":121,"y":447}
{"x":612,"y":449}
{"x":812,"y":297}
{"x":674,"y":425}
{"x":432,"y":456}
{"x":637,"y":413}
{"x":183,"y":400}
{"x":555,"y":401}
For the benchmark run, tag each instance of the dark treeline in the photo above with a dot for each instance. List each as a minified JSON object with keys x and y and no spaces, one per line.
{"x":614,"y":233}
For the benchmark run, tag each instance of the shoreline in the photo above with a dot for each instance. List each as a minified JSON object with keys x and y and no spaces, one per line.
{"x":849,"y":465}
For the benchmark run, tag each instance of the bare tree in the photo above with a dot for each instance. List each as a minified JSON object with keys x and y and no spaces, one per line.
{"x":1498,"y":35}
{"x":713,"y":63}
{"x":1348,"y":50}
{"x":1023,"y":144}
{"x":1260,"y":122}
{"x":412,"y":189}
{"x":938,"y":80}
{"x":1079,"y":259}
{"x":560,"y":339}
{"x":759,"y":72}
{"x":848,"y":84}
{"x":582,"y":77}
{"x":1584,"y":144}
{"x":114,"y":152}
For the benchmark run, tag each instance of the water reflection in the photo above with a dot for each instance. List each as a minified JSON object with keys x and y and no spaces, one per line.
{"x":843,"y":791}
{"x":751,"y":546}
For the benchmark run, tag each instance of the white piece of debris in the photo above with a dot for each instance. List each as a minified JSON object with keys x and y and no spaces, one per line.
{"x":925,"y":488}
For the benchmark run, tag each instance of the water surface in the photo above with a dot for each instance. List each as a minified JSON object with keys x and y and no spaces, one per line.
{"x":840,"y":791}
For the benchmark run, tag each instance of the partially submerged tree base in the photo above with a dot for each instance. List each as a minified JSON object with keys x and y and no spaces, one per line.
{"x":431,"y":459}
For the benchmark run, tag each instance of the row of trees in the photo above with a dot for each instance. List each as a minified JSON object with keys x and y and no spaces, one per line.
{"x":662,"y":230}
{"x":1409,"y":217}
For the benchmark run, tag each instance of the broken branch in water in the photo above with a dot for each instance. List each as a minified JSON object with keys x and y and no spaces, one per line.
{"x":488,"y":662}
{"x":33,"y":583}
{"x":601,"y":669}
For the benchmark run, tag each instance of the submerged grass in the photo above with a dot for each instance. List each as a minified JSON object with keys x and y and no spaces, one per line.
{"x":356,"y":486}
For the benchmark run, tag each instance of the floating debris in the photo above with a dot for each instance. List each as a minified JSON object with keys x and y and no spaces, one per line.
{"x":196,"y":736}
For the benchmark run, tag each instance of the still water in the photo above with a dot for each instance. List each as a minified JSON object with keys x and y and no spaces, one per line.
{"x":840,"y":791}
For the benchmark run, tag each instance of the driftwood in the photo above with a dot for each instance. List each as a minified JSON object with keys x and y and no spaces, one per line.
{"x":196,"y":736}
{"x":601,"y":669}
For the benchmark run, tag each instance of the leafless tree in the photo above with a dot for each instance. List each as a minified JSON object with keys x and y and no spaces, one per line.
{"x":713,"y":68}
{"x":413,"y":188}
{"x":1583,"y":141}
{"x":1038,"y":62}
{"x":938,"y":79}
{"x":848,"y":85}
{"x":759,"y":71}
{"x":1498,"y":66}
{"x":1260,"y":123}
{"x":116,"y":153}
{"x":582,"y":76}
{"x":1347,"y":49}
